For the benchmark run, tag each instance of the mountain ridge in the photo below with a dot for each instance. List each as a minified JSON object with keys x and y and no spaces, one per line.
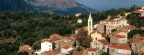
{"x":59,"y":6}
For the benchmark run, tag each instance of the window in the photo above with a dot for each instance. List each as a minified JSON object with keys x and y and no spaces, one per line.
{"x":89,"y":28}
{"x":96,"y":43}
{"x":92,"y":53}
{"x":89,"y":22}
{"x":135,"y":44}
{"x":49,"y":45}
{"x":95,"y":38}
{"x":119,"y":25}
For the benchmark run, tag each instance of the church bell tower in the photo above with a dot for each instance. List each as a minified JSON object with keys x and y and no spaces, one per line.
{"x":90,"y":24}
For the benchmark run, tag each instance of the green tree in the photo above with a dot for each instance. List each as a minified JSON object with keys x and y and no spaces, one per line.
{"x":104,"y":53}
{"x":3,"y":51}
{"x":37,"y":45}
{"x":87,"y":42}
{"x":113,"y":30}
{"x":81,"y":37}
{"x":133,"y":32}
{"x":79,"y":49}
{"x":30,"y":41}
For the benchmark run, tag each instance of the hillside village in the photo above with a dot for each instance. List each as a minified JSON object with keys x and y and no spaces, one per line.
{"x":108,"y":37}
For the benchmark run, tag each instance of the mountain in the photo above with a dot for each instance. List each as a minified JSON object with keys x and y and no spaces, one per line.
{"x":59,"y":6}
{"x":15,"y":5}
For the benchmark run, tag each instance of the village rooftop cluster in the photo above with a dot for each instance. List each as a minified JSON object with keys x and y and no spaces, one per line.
{"x":116,"y":29}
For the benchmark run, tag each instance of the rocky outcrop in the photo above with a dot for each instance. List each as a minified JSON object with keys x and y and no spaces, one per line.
{"x":59,"y":6}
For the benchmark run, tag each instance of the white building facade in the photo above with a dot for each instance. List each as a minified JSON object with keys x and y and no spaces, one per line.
{"x":46,"y":46}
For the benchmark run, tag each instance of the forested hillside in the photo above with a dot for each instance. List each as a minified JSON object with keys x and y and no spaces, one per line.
{"x":18,"y":28}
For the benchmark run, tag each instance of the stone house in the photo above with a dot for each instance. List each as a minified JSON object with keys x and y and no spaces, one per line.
{"x":92,"y":51}
{"x":100,"y":45}
{"x":137,"y":44}
{"x":119,"y":49}
{"x":118,"y":39}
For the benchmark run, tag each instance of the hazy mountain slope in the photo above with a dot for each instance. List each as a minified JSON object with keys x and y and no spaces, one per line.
{"x":59,"y":6}
{"x":15,"y":5}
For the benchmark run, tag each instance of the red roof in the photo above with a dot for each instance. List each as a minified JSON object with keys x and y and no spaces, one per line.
{"x":77,"y":53}
{"x":126,"y":28}
{"x":91,"y":49}
{"x":137,"y":40}
{"x":72,"y":35}
{"x":104,"y":42}
{"x":116,"y":32}
{"x":46,"y":40}
{"x":27,"y":46}
{"x":54,"y":37}
{"x":66,"y":47}
{"x":130,"y":27}
{"x":49,"y":53}
{"x":119,"y":36}
{"x":142,"y":38}
{"x":121,"y":46}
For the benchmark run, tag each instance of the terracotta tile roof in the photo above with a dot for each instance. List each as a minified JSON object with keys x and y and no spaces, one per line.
{"x":142,"y":53}
{"x":130,"y":27}
{"x":46,"y":40}
{"x":119,"y":36}
{"x":50,"y":53}
{"x":77,"y":53}
{"x":72,"y":35}
{"x":91,"y":49}
{"x":27,"y":46}
{"x":142,"y":37}
{"x":94,"y":31}
{"x":126,"y":28}
{"x":66,"y":47}
{"x":137,"y":40}
{"x":120,"y":46}
{"x":116,"y":32}
{"x":104,"y":42}
{"x":55,"y":37}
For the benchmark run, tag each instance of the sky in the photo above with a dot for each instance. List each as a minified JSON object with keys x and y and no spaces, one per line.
{"x":102,"y":5}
